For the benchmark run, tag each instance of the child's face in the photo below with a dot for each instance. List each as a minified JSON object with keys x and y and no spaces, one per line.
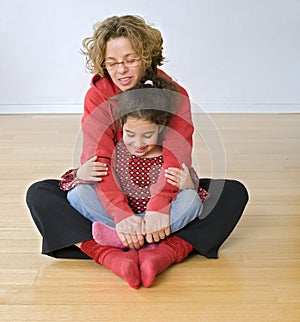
{"x":140,"y":136}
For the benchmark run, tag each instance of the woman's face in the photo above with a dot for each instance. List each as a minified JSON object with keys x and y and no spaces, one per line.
{"x":140,"y":137}
{"x":127,"y":74}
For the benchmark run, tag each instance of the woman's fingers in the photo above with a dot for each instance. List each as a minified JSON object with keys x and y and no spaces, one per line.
{"x":179,"y":178}
{"x":99,"y":173}
{"x":174,"y":176}
{"x":92,"y":170}
{"x":98,"y":170}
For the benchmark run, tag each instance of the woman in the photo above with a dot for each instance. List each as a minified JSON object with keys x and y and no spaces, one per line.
{"x":124,"y":50}
{"x":121,"y":52}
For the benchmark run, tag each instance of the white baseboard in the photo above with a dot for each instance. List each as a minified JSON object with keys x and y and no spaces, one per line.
{"x":224,"y":108}
{"x":41,"y":109}
{"x":212,"y":108}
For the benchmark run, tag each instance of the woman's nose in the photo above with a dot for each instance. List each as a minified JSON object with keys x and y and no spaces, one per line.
{"x":121,"y":68}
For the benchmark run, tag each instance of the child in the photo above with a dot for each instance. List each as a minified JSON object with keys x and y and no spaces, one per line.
{"x":144,"y":112}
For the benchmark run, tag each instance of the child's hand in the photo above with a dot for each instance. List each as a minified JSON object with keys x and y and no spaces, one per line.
{"x":92,"y":170}
{"x":131,"y":231}
{"x":157,"y":226}
{"x":179,"y":178}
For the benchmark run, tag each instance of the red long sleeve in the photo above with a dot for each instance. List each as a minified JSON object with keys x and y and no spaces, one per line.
{"x":177,"y":148}
{"x":100,"y":134}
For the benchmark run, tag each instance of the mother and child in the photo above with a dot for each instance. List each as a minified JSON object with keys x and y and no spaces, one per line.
{"x":135,"y":205}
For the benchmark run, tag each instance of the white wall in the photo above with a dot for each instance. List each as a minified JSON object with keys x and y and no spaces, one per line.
{"x":231,"y":55}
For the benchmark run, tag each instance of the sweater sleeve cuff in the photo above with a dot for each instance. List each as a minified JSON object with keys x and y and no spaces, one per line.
{"x":159,"y":204}
{"x":121,"y":215}
{"x":69,"y":180}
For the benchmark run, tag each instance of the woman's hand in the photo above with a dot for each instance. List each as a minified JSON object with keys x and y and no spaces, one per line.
{"x":131,"y":231}
{"x":157,"y":226}
{"x":180,"y":178}
{"x":92,"y":170}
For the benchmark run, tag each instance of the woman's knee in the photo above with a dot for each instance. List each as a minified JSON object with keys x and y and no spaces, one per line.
{"x":191,"y":199}
{"x":237,"y":190}
{"x":185,"y":209}
{"x":31,"y":192}
{"x":188,"y":202}
{"x":35,"y":192}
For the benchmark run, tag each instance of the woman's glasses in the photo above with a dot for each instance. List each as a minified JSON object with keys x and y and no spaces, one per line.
{"x":129,"y":62}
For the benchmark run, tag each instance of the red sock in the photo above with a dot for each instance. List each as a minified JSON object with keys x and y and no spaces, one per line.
{"x":182,"y":247}
{"x":168,"y":251}
{"x":122,"y":263}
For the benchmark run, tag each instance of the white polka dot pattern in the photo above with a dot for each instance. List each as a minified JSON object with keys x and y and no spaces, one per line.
{"x":136,"y":175}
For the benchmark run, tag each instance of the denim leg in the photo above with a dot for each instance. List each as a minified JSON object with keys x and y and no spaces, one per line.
{"x":85,"y":200}
{"x":185,"y":208}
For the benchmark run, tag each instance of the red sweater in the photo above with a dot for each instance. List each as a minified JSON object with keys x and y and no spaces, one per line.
{"x":101,"y":131}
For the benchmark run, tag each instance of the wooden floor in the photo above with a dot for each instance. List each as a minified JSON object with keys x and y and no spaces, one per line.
{"x":256,"y":278}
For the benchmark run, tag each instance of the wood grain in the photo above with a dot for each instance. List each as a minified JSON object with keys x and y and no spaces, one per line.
{"x":257,"y":276}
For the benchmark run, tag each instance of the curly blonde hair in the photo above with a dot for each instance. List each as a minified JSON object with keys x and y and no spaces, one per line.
{"x":145,"y":40}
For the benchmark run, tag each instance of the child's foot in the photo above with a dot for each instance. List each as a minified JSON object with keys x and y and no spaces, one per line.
{"x":105,"y":235}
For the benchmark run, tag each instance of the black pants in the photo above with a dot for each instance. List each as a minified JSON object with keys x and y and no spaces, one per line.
{"x":61,"y":226}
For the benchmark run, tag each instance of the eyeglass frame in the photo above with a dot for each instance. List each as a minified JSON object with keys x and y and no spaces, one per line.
{"x":124,"y":63}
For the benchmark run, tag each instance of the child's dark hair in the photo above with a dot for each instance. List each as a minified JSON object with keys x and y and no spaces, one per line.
{"x":154,"y":98}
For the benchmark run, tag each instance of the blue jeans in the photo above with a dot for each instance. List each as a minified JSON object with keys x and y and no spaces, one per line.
{"x":186,"y":207}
